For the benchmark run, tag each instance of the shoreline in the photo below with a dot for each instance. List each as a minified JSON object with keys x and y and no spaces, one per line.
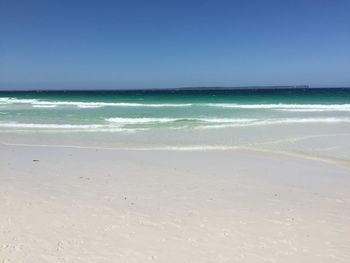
{"x":296,"y":154}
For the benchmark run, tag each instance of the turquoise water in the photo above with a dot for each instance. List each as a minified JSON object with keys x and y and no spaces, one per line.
{"x":141,"y":116}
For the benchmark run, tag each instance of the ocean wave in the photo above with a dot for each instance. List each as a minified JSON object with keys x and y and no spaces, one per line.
{"x":123,"y":124}
{"x":37,"y":103}
{"x":14,"y":100}
{"x":313,"y":110}
{"x":279,"y":121}
{"x":44,"y":106}
{"x":116,"y":104}
{"x":81,"y":104}
{"x":50,"y":126}
{"x":282,"y":106}
{"x":68,"y":127}
{"x":140,"y":120}
{"x":223,"y":122}
{"x":126,"y":121}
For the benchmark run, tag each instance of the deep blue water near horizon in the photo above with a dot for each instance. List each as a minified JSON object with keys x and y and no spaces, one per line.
{"x":112,"y":94}
{"x":172,"y":116}
{"x":293,"y":96}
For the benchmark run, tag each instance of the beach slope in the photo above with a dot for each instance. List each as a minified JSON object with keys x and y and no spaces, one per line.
{"x":65,"y":204}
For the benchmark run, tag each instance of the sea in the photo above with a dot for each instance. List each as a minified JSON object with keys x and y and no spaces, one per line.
{"x":176,"y":119}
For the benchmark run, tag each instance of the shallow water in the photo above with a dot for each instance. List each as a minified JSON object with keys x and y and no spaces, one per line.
{"x":176,"y":118}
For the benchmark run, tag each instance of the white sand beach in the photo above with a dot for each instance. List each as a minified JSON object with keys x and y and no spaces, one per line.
{"x":66,"y":204}
{"x":174,"y":131}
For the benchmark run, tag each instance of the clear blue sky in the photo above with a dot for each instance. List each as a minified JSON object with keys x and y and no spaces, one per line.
{"x":154,"y":44}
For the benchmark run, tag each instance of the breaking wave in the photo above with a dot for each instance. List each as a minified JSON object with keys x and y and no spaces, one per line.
{"x":81,"y":104}
{"x":141,"y":124}
{"x":84,"y":104}
{"x":284,"y":107}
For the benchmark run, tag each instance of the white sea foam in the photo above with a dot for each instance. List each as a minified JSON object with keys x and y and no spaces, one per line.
{"x":117,"y":124}
{"x":67,"y":127}
{"x":170,"y":120}
{"x":278,"y":121}
{"x":226,"y":122}
{"x":81,"y":104}
{"x":140,"y":120}
{"x":44,"y":106}
{"x":192,"y":148}
{"x":280,"y":106}
{"x":314,"y":109}
{"x":50,"y":126}
{"x":14,"y":100}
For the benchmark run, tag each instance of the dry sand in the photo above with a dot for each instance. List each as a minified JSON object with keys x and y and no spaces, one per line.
{"x":91,"y":205}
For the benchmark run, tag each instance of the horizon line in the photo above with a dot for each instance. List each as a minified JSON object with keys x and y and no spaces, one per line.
{"x":190,"y":88}
{"x":195,"y":88}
